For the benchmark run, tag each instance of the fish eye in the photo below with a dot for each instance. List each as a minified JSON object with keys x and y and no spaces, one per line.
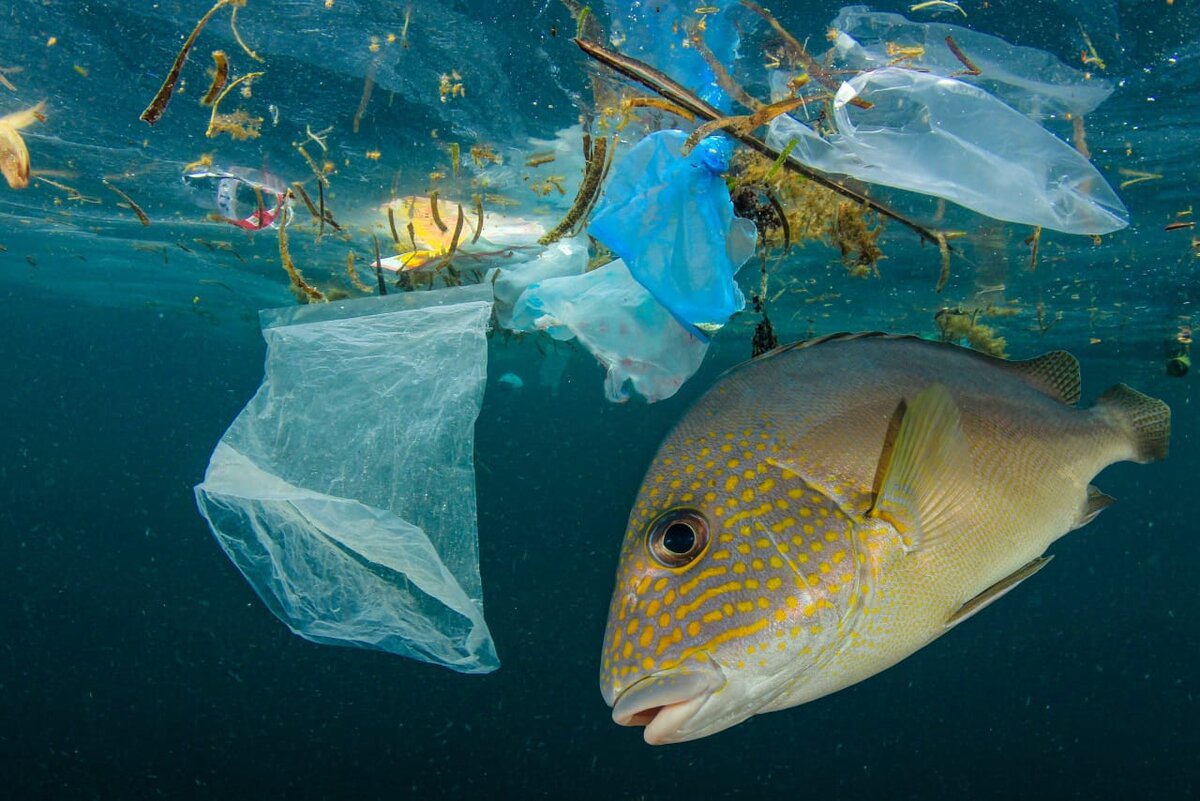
{"x":677,"y":537}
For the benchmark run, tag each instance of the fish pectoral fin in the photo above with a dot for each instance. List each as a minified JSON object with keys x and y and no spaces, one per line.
{"x":926,"y":477}
{"x":996,"y":590}
{"x":1096,"y":503}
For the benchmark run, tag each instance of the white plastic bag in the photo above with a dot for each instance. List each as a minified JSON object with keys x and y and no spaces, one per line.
{"x":1032,"y":81}
{"x":942,"y":137}
{"x":620,"y":323}
{"x":345,"y":490}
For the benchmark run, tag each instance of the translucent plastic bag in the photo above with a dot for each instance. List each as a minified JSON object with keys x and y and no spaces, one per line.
{"x":565,"y":257}
{"x":345,"y":490}
{"x":1032,"y":81}
{"x":942,"y":137}
{"x":621,"y":324}
{"x":657,"y":33}
{"x":669,"y":217}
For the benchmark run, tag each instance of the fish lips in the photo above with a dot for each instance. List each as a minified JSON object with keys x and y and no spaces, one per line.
{"x":665,"y":702}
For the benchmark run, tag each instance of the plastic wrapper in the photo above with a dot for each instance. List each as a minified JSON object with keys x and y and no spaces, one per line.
{"x":238,"y":190}
{"x":345,"y":490}
{"x":942,"y":137}
{"x":621,"y":324}
{"x":669,"y":217}
{"x":1032,"y":81}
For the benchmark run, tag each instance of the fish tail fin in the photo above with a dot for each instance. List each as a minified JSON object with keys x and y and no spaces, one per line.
{"x":1146,"y":420}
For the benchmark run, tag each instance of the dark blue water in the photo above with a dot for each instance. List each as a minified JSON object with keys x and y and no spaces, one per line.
{"x":135,"y":662}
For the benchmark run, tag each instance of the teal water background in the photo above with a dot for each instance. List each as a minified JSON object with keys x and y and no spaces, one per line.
{"x":135,"y":662}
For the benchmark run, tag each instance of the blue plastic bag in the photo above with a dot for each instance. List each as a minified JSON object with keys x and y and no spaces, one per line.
{"x":669,"y":217}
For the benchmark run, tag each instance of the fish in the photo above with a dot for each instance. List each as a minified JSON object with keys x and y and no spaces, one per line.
{"x":831,"y":507}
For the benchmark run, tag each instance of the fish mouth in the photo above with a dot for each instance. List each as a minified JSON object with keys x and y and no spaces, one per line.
{"x":665,"y":702}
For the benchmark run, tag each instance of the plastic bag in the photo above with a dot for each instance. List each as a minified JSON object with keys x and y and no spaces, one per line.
{"x":657,"y":34}
{"x":942,"y":137}
{"x":1032,"y":81}
{"x":345,"y":490}
{"x":565,"y":257}
{"x":669,"y":217}
{"x":621,"y":324}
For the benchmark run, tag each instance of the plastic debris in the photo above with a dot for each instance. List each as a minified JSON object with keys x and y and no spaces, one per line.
{"x":565,"y":257}
{"x":942,"y":137}
{"x":345,"y":491}
{"x":657,"y":34}
{"x":423,"y":228}
{"x":239,"y":188}
{"x":1032,"y":81}
{"x":669,"y":217}
{"x":621,"y":324}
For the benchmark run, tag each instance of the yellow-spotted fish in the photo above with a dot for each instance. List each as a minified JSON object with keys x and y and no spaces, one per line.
{"x":830,"y":507}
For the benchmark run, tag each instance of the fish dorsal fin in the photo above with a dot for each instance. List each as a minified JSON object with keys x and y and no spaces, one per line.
{"x":1096,"y":503}
{"x":1056,"y":373}
{"x":998,"y":589}
{"x":926,"y":476}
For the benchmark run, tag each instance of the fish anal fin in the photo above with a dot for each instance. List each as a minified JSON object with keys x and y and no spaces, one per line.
{"x":997,"y":590}
{"x":1095,"y":503}
{"x":1056,"y":373}
{"x":926,"y":476}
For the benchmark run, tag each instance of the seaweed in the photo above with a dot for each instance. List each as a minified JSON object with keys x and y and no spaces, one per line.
{"x":741,"y":124}
{"x":141,"y":215}
{"x":353,"y":274}
{"x":478,"y":217}
{"x":305,"y":291}
{"x":239,"y":125}
{"x":158,"y":104}
{"x":220,"y":76}
{"x":938,"y":4}
{"x":956,"y":325}
{"x":365,"y":99}
{"x":237,"y":37}
{"x":379,"y":267}
{"x":598,"y":159}
{"x":433,"y":210}
{"x":962,"y":57}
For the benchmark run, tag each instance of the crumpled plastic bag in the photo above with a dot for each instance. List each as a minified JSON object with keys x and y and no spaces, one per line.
{"x":565,"y":257}
{"x":1032,"y":81}
{"x":669,"y":217}
{"x":345,"y":490}
{"x":942,"y":137}
{"x":657,"y":32}
{"x":621,"y":324}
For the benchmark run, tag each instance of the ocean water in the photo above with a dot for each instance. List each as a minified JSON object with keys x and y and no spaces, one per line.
{"x":136,"y":662}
